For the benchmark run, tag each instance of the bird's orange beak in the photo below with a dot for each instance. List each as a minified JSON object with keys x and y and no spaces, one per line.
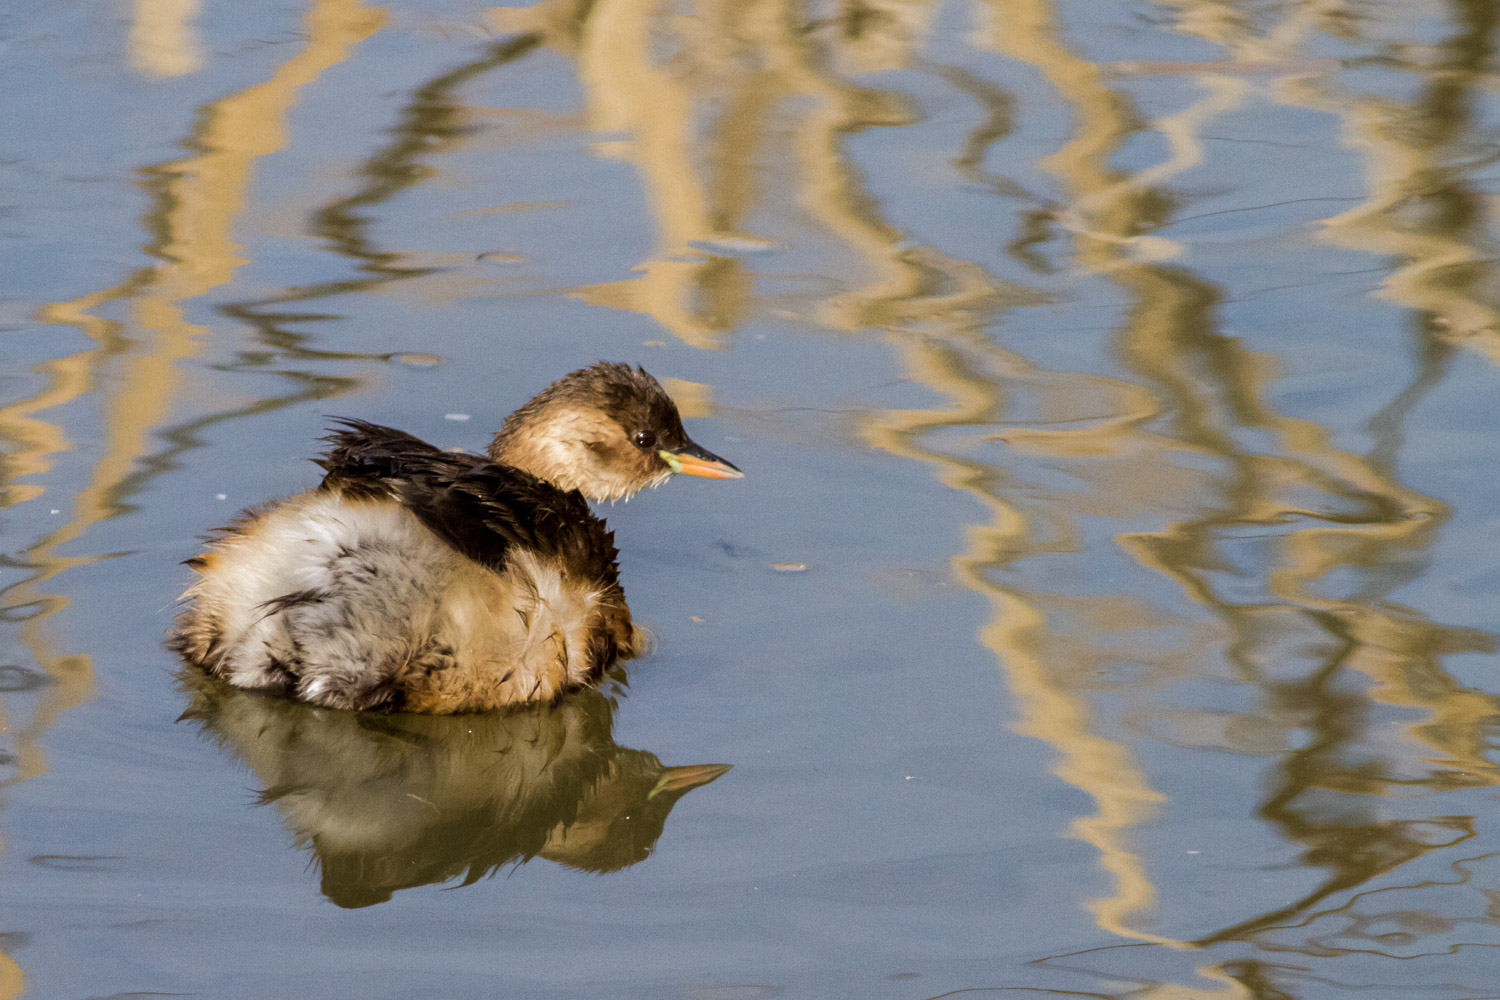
{"x":691,"y":460}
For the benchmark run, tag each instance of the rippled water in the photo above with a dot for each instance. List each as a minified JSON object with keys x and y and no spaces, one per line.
{"x":1120,"y":376}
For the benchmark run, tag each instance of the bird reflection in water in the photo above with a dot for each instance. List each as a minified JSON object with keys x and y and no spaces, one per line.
{"x":389,"y":802}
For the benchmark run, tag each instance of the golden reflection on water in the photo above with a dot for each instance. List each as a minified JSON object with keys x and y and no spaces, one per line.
{"x":1379,"y":527}
{"x":162,"y":40}
{"x":133,"y":365}
{"x":697,"y":164}
{"x":1425,"y":207}
{"x":734,"y":112}
{"x":1326,"y":508}
{"x":764,"y":58}
{"x":1168,"y":435}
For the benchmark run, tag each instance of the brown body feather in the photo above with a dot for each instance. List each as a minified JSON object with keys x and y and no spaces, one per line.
{"x":411,"y":579}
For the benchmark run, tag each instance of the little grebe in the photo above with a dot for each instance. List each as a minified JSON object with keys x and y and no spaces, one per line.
{"x":422,"y":580}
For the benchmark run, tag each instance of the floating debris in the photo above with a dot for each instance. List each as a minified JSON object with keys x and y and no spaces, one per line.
{"x":734,"y":243}
{"x":417,"y":359}
{"x":789,"y":567}
{"x":460,"y":417}
{"x":76,"y":862}
{"x":500,"y":257}
{"x":14,"y":678}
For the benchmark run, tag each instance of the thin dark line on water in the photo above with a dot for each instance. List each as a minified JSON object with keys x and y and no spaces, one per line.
{"x":1258,"y":208}
{"x":1323,"y":279}
{"x":1012,"y":989}
{"x":74,"y":862}
{"x":1089,"y":951}
{"x":1256,"y":142}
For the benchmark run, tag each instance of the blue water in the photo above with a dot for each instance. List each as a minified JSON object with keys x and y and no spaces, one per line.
{"x":1123,"y":375}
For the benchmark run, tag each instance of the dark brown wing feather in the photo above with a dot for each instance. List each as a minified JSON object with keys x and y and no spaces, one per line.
{"x":363,"y":457}
{"x":480,"y":508}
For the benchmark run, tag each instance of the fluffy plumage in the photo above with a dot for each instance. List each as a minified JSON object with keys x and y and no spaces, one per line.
{"x":418,"y":579}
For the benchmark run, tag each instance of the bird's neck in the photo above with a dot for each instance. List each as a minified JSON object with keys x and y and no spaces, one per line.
{"x":526,"y":452}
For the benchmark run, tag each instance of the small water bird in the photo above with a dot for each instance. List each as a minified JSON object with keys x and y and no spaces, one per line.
{"x":421,"y":580}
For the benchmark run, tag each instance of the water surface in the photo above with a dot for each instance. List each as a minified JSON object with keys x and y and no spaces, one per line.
{"x":1123,"y":375}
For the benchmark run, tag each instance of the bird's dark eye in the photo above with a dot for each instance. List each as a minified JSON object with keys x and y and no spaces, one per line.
{"x":645,"y":439}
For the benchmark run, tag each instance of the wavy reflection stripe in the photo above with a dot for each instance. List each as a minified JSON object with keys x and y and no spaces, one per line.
{"x":198,"y":198}
{"x":902,"y":293}
{"x":696,"y":170}
{"x":1398,"y":161}
{"x":1100,"y":767}
{"x":1028,"y":31}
